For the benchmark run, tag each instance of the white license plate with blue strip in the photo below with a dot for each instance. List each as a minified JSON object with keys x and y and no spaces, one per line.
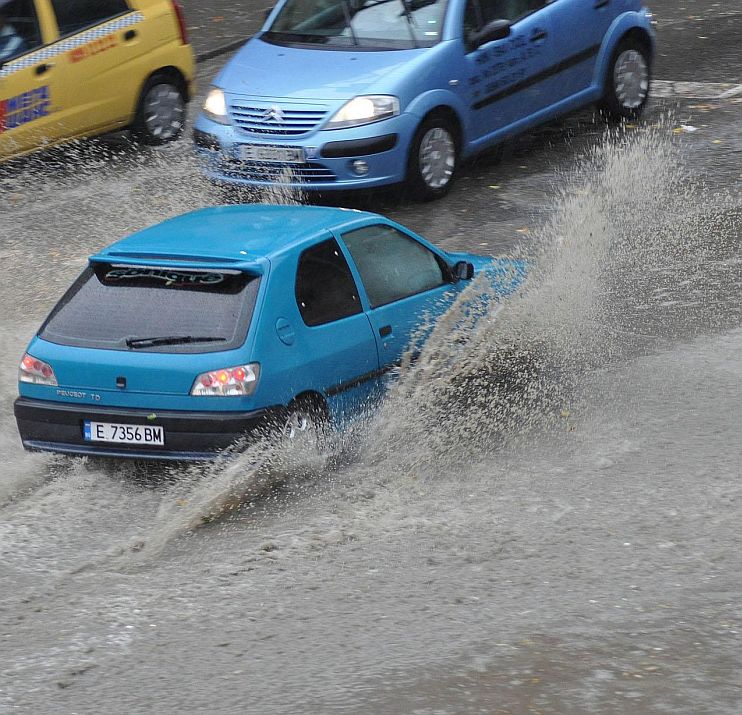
{"x":122,"y":434}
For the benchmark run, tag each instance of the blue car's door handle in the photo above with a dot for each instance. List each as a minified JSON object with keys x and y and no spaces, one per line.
{"x":385,"y":330}
{"x":538,"y":35}
{"x":600,"y":3}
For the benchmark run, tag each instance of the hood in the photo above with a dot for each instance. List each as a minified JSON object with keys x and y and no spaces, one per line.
{"x":261,"y":69}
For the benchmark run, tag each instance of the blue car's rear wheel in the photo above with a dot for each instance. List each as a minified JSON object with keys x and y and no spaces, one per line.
{"x":306,"y":422}
{"x":627,"y":83}
{"x":433,"y":160}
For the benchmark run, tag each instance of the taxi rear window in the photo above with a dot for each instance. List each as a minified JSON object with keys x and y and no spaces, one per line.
{"x":154,"y":309}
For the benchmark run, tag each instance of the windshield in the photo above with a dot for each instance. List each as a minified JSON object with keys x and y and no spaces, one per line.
{"x":177,"y":310}
{"x":364,"y":24}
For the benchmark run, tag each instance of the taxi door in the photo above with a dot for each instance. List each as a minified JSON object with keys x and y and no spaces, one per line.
{"x":30,"y":91}
{"x":100,"y":39}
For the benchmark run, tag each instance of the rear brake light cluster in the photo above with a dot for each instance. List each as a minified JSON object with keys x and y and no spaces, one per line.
{"x":180,"y":15}
{"x":36,"y":371}
{"x":227,"y":382}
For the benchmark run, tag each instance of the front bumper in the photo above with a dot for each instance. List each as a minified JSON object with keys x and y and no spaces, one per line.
{"x":189,"y":436}
{"x":331,"y":156}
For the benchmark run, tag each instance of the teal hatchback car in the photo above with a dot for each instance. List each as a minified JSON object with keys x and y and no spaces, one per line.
{"x":187,"y":336}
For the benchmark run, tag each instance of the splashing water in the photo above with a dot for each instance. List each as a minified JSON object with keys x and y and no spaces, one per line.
{"x":627,"y":222}
{"x":494,"y":370}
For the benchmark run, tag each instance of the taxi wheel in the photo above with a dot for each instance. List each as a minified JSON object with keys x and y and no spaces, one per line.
{"x":627,"y":84}
{"x":161,"y":112}
{"x":433,"y":160}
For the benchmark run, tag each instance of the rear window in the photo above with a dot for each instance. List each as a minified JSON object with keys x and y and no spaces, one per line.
{"x":154,"y":309}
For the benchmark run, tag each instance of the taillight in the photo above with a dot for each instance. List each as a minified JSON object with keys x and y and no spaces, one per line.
{"x":181,"y":21}
{"x":227,"y":382}
{"x":36,"y":371}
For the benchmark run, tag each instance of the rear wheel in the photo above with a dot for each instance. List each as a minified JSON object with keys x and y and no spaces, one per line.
{"x":433,"y":160}
{"x":161,"y":111}
{"x":306,"y":422}
{"x":627,"y":84}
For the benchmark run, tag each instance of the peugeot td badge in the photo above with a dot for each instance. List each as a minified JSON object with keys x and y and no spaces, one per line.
{"x":273,"y":114}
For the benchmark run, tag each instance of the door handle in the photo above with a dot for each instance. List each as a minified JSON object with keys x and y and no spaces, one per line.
{"x":539,"y":35}
{"x":600,"y":3}
{"x":385,"y":330}
{"x":41,"y":69}
{"x":130,"y":35}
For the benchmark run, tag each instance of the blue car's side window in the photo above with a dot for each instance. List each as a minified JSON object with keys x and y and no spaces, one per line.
{"x":325,"y":289}
{"x":392,"y":265}
{"x":512,"y":10}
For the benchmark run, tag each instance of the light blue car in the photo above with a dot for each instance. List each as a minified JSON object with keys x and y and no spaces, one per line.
{"x":343,"y":94}
{"x":185,"y":337}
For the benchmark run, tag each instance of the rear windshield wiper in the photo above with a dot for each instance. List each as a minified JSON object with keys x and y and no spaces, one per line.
{"x":170,"y":340}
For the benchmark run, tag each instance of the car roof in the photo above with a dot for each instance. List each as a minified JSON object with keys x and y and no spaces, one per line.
{"x":233,"y":234}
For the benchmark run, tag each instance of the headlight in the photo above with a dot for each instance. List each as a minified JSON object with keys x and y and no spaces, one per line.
{"x":215,"y":106}
{"x":227,"y":382}
{"x":364,"y":110}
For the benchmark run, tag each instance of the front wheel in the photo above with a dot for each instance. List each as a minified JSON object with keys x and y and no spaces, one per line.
{"x":160,"y":113}
{"x":627,"y":84}
{"x":433,"y":160}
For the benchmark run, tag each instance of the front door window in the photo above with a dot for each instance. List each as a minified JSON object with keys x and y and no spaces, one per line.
{"x":392,"y":265}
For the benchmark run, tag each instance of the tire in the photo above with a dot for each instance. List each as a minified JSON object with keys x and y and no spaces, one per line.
{"x":627,"y":83}
{"x":306,"y":422}
{"x":433,"y":159}
{"x":161,"y":110}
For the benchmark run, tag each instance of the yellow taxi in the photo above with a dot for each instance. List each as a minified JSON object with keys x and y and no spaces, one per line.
{"x":77,"y":68}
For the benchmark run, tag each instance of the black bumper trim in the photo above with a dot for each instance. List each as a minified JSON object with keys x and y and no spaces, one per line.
{"x":358,"y":147}
{"x":57,"y":427}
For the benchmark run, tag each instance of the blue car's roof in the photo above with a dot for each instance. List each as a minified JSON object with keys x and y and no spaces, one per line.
{"x":233,"y":234}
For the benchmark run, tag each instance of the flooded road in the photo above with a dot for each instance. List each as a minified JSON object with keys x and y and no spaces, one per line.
{"x":569,"y":544}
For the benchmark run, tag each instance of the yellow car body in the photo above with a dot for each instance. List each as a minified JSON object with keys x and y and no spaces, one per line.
{"x":65,"y":81}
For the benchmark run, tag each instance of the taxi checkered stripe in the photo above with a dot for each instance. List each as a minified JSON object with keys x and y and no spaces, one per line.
{"x":62,"y":46}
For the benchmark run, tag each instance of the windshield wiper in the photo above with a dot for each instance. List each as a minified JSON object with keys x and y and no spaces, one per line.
{"x":349,"y":21}
{"x":170,"y":340}
{"x":411,"y":22}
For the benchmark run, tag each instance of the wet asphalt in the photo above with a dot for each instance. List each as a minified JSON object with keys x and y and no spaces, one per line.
{"x":595,"y":570}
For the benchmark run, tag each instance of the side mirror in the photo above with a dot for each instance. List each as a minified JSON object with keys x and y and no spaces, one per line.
{"x":495,"y":30}
{"x":463,"y":271}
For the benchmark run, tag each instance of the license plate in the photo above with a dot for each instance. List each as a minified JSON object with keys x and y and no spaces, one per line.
{"x":278,"y":154}
{"x":122,"y":434}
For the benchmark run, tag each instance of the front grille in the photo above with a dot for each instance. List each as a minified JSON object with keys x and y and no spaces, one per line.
{"x":276,"y":119}
{"x":278,"y":173}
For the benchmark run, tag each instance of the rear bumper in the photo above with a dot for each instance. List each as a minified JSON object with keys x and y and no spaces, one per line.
{"x":189,"y":436}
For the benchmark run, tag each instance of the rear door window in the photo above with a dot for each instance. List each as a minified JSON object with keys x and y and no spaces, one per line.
{"x":325,"y":289}
{"x":161,"y":310}
{"x":75,"y":15}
